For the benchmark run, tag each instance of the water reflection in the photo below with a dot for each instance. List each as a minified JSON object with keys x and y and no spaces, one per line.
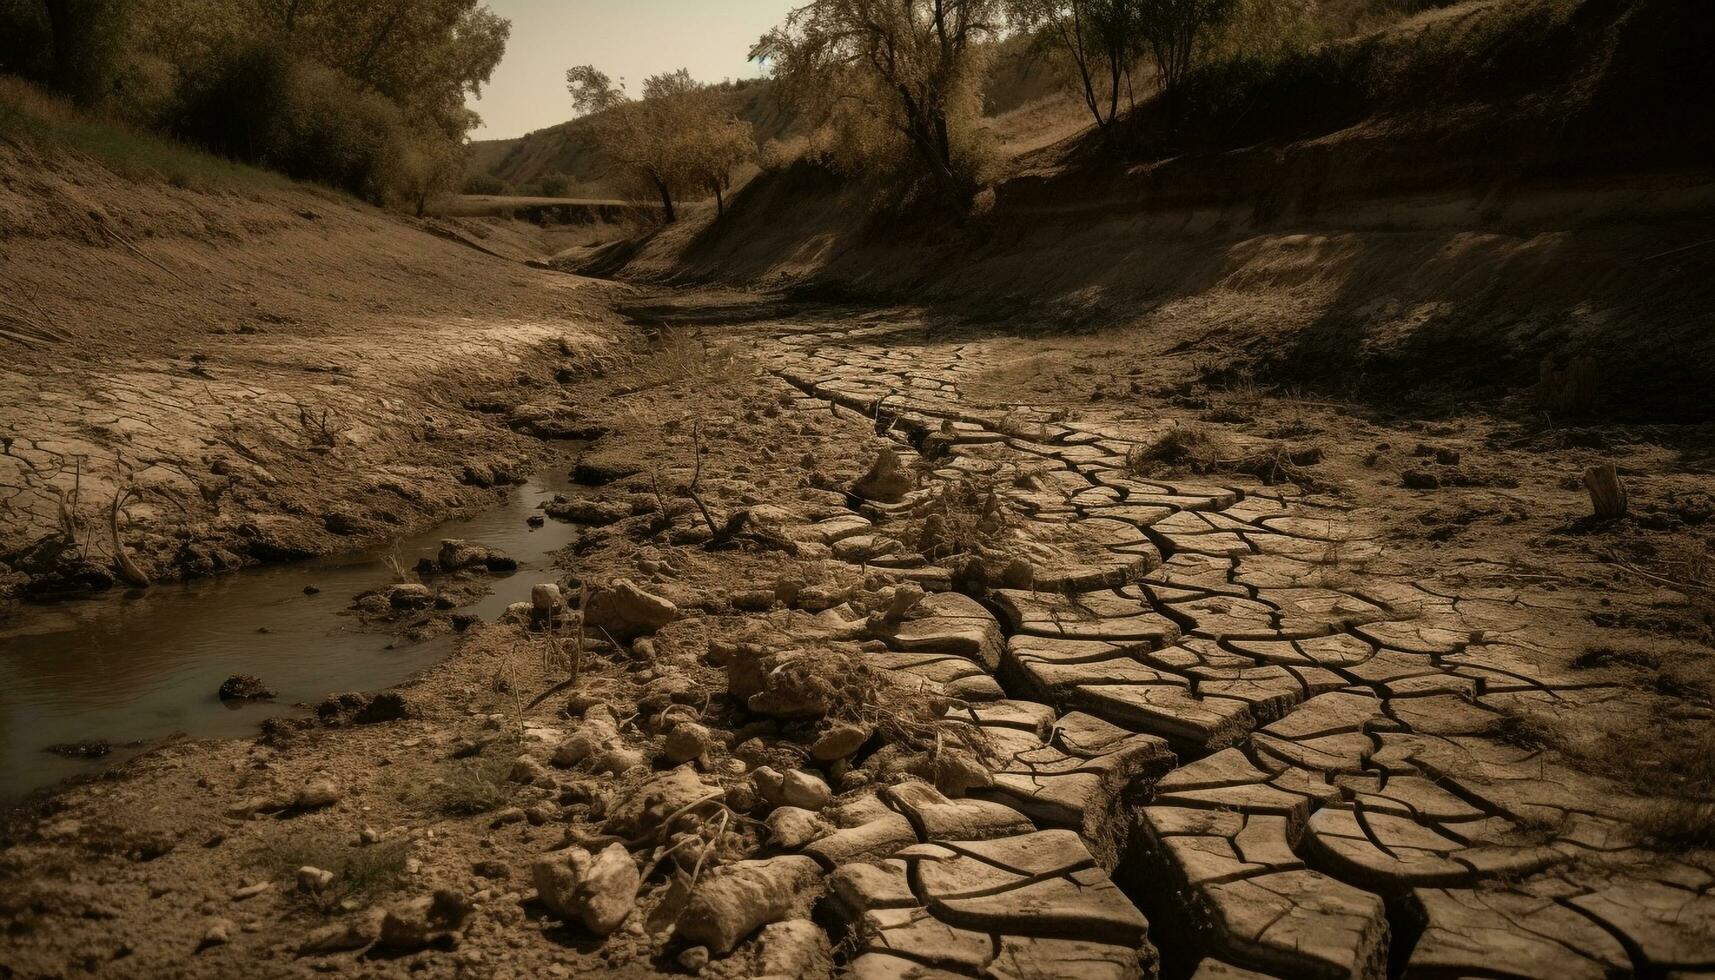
{"x":143,"y":665}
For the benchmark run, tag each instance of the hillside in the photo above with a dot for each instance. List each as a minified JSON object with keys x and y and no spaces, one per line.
{"x":1020,"y":82}
{"x":1459,"y":237}
{"x":263,"y":369}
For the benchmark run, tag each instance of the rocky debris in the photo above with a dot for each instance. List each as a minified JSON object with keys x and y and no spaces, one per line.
{"x":626,"y":612}
{"x":597,"y":890}
{"x":436,"y":920}
{"x":313,"y":880}
{"x":354,"y":933}
{"x":886,"y":481}
{"x":91,"y":749}
{"x":245,"y":687}
{"x":457,"y":554}
{"x":694,"y":958}
{"x":596,"y":735}
{"x":676,"y":791}
{"x":795,"y":788}
{"x":316,"y":794}
{"x":742,"y":897}
{"x":359,"y":708}
{"x":409,"y":595}
{"x":559,"y":421}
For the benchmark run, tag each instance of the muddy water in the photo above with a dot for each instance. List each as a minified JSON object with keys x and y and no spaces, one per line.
{"x":137,"y":667}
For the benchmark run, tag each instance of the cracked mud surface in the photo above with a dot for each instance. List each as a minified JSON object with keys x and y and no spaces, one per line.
{"x":1230,"y":728}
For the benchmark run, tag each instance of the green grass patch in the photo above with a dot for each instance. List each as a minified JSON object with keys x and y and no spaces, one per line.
{"x":30,"y":116}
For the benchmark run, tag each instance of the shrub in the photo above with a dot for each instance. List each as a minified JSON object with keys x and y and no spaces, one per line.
{"x":486,"y":184}
{"x":261,"y":105}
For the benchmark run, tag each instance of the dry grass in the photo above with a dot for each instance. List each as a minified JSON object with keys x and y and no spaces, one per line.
{"x":464,"y":787}
{"x":358,"y":870}
{"x":1197,"y":449}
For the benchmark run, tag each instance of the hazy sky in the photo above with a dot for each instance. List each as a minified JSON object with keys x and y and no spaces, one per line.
{"x":625,"y":38}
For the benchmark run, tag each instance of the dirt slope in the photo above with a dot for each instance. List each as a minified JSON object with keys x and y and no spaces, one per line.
{"x":271,"y":371}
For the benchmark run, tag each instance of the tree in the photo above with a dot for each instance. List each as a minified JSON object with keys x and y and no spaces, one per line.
{"x":912,"y":64}
{"x":678,"y":134}
{"x":1103,"y":38}
{"x":1177,"y":30}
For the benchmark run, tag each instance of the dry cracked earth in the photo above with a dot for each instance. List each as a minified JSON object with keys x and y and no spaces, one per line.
{"x":1196,"y":725}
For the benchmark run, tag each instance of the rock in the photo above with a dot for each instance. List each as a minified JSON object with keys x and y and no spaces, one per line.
{"x":425,"y":921}
{"x":642,"y":812}
{"x":315,"y":794}
{"x":457,"y":554}
{"x":791,"y":827}
{"x":626,"y":611}
{"x":251,"y":891}
{"x":597,"y":890}
{"x":383,"y":706}
{"x":618,"y":760}
{"x":1419,"y":480}
{"x":411,"y":595}
{"x":584,"y":510}
{"x":794,"y":948}
{"x":694,"y":958}
{"x":840,"y":740}
{"x":245,"y":687}
{"x":886,"y":481}
{"x":491,"y":868}
{"x":742,"y":897}
{"x":687,"y":741}
{"x":312,"y":879}
{"x":518,"y":613}
{"x":529,"y":770}
{"x":354,"y":933}
{"x":545,"y":599}
{"x":218,"y":933}
{"x":795,"y":788}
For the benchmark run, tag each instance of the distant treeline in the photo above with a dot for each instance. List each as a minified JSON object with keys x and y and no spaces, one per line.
{"x":364,"y":95}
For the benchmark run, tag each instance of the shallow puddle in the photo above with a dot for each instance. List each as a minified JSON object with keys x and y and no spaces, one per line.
{"x":136,"y":667}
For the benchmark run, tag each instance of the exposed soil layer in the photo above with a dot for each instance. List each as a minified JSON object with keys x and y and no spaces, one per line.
{"x":201,"y":380}
{"x":943,"y":651}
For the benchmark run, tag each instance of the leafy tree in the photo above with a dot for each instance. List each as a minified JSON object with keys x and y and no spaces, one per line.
{"x":1177,"y":31}
{"x":677,"y":135}
{"x":1104,"y":39}
{"x":913,"y":66}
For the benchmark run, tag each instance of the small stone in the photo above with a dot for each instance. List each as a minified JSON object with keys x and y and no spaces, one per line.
{"x":218,"y":933}
{"x":312,"y":590}
{"x":251,"y":891}
{"x":886,"y":481}
{"x":245,"y":687}
{"x":619,"y":760}
{"x":598,"y":890}
{"x":687,"y":741}
{"x":312,"y":879}
{"x":839,"y":741}
{"x":795,"y":788}
{"x":746,"y":895}
{"x":511,"y":814}
{"x":424,"y":921}
{"x":791,"y":827}
{"x":694,"y":958}
{"x":546,"y":600}
{"x":315,"y":794}
{"x":626,"y":612}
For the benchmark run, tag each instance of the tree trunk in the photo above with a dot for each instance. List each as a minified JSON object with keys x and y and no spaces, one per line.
{"x":666,"y":200}
{"x":1607,"y":495}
